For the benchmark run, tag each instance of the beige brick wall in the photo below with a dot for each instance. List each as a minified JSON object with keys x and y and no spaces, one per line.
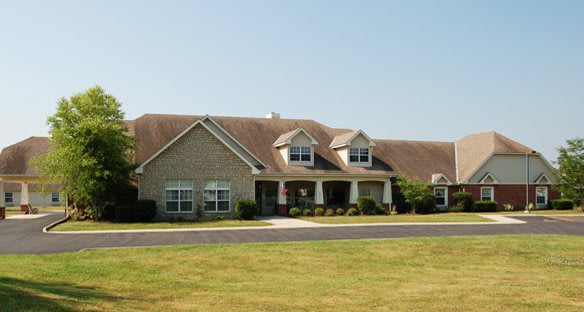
{"x":197,"y":156}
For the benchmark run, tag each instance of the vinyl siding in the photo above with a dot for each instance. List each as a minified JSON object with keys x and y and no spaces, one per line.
{"x":510,"y":169}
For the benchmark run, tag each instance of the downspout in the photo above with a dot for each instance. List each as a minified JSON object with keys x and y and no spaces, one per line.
{"x":527,"y":183}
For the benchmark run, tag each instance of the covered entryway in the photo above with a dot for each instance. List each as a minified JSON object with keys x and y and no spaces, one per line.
{"x":266,"y":193}
{"x":336,"y":194}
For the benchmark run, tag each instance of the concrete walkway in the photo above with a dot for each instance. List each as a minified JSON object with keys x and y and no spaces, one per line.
{"x":26,"y":236}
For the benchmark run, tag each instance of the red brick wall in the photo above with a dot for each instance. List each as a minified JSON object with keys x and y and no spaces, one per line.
{"x":511,"y":194}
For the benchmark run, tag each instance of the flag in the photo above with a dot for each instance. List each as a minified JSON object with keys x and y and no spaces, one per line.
{"x":283,"y":190}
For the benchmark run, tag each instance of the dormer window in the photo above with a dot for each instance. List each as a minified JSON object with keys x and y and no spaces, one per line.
{"x":359,"y":154}
{"x":300,"y":153}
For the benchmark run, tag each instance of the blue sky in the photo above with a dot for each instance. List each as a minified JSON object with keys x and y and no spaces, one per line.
{"x":422,"y":70}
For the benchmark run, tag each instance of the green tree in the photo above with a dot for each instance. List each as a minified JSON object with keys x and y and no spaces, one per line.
{"x":571,"y":170}
{"x":415,"y":191}
{"x":90,"y":152}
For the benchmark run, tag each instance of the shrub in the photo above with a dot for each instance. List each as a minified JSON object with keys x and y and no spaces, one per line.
{"x":400,"y":203}
{"x":392,"y":210}
{"x":77,"y":214}
{"x":124,"y":213}
{"x":329,"y":212}
{"x":294,"y":212}
{"x":306,"y":212}
{"x":464,"y":200}
{"x":353,"y":212}
{"x":484,"y":206}
{"x":144,"y":210}
{"x":380,"y":210}
{"x":219,"y":217}
{"x":508,"y":207}
{"x":246,"y":209}
{"x":366,"y":205}
{"x":340,"y":212}
{"x":562,"y":204}
{"x":455,"y":208}
{"x":427,"y":205}
{"x":319,"y":212}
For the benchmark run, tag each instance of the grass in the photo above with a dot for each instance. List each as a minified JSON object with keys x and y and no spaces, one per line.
{"x":494,"y":273}
{"x":15,"y":210}
{"x":100,"y":226}
{"x":438,"y":217}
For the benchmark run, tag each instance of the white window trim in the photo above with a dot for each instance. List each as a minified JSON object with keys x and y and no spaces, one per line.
{"x":445,"y":195}
{"x":544,"y":205}
{"x":359,"y":155}
{"x":58,"y":198}
{"x":11,"y":198}
{"x":492,"y":193}
{"x":216,"y":189}
{"x":179,"y":189}
{"x":300,"y":154}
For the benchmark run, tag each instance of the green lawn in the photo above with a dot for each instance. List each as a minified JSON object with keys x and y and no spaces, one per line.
{"x":16,"y":210}
{"x":438,"y":217}
{"x":496,"y":273}
{"x":99,"y":226}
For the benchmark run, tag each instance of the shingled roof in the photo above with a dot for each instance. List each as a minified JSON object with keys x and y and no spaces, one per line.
{"x":412,"y":158}
{"x":14,"y":159}
{"x":473,"y":150}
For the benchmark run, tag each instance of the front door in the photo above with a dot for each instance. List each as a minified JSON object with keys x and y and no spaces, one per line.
{"x":541,"y":197}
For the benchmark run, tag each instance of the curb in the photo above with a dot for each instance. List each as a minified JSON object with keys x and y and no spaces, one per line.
{"x":47,"y":228}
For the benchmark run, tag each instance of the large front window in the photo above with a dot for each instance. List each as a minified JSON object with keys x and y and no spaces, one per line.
{"x":300,"y":153}
{"x":217,"y":195}
{"x":541,"y":197}
{"x":179,"y":196}
{"x":359,"y":154}
{"x":487,"y":194}
{"x":441,"y":194}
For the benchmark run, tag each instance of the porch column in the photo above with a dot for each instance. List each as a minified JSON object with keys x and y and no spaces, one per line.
{"x":387,"y":196}
{"x":319,"y":198}
{"x":282,"y":208}
{"x":2,"y":204}
{"x":24,"y":197}
{"x":354,"y":194}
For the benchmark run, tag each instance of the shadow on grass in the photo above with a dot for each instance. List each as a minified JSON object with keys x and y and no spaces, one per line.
{"x":27,"y":295}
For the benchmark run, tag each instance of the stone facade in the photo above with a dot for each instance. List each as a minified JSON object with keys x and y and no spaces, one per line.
{"x":197,"y":156}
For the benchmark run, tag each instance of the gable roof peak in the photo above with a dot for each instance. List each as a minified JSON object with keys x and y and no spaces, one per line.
{"x":286,"y":138}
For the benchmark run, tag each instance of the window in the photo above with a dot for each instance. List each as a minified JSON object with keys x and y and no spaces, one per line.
{"x":359,"y":154}
{"x":179,"y":196}
{"x":54,"y":197}
{"x":541,"y":197}
{"x":217,"y":195}
{"x":364,"y":192}
{"x":441,"y":194}
{"x":300,"y":153}
{"x":487,"y":193}
{"x":8,"y":198}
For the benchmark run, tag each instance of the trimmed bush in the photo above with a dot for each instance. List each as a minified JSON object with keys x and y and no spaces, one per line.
{"x":353,"y":212}
{"x":294,"y":212}
{"x":367,"y":205}
{"x":463,"y":200}
{"x":246,"y":209}
{"x":319,"y":212}
{"x":144,"y":210}
{"x":484,"y":206}
{"x":340,"y":212}
{"x":306,"y":212}
{"x":329,"y":212}
{"x":562,"y":204}
{"x":427,"y":205}
{"x":455,"y":208}
{"x":400,"y":203}
{"x":124,"y":213}
{"x":219,"y":217}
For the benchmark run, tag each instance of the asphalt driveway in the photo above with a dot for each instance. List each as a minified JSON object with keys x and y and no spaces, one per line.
{"x":26,"y":236}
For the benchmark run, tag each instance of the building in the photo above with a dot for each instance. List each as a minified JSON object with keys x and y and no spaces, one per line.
{"x":202,"y":163}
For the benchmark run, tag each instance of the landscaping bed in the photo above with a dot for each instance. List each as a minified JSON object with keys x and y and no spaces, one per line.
{"x":437,"y":217}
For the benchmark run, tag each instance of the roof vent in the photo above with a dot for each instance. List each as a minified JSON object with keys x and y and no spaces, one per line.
{"x":273,"y":115}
